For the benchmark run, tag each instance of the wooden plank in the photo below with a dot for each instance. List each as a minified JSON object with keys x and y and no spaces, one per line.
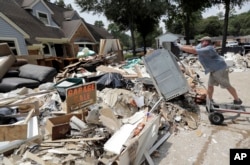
{"x":75,"y":140}
{"x":18,"y":143}
{"x":36,"y":159}
{"x":13,"y":132}
{"x":106,"y":69}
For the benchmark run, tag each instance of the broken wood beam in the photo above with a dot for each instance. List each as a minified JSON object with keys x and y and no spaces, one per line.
{"x":75,"y":140}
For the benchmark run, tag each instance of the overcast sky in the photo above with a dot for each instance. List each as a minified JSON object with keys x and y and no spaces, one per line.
{"x":90,"y":18}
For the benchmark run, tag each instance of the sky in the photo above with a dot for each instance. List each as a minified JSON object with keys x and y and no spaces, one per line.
{"x":90,"y":18}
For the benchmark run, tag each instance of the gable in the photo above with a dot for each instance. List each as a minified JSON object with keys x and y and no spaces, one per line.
{"x":43,"y":13}
{"x":30,"y":4}
{"x":28,"y":23}
{"x":76,"y":29}
{"x":12,"y":34}
{"x":6,"y":23}
{"x":25,"y":17}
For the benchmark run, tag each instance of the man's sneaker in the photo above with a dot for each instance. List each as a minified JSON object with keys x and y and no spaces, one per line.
{"x":238,"y":102}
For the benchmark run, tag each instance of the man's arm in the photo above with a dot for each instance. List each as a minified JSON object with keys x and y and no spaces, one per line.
{"x":188,"y":49}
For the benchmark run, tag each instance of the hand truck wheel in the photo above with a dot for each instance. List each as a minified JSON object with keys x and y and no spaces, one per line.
{"x":216,"y":118}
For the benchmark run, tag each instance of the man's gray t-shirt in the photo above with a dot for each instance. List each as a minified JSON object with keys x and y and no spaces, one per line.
{"x":210,"y":59}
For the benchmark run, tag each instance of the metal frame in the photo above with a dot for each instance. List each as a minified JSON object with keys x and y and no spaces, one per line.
{"x":220,"y":108}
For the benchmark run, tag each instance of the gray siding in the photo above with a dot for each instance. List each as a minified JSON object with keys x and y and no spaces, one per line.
{"x":8,"y":31}
{"x":41,"y":8}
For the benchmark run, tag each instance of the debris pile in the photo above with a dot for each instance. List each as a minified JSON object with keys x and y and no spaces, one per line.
{"x":235,"y":61}
{"x":127,"y":117}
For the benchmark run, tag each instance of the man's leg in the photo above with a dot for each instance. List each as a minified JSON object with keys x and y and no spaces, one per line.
{"x":233,"y":92}
{"x":210,"y":92}
{"x":210,"y":86}
{"x":226,"y":83}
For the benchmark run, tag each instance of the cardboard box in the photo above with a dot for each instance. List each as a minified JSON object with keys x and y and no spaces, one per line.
{"x":59,"y":126}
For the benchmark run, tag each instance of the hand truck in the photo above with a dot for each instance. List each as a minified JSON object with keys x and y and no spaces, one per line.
{"x":216,"y":111}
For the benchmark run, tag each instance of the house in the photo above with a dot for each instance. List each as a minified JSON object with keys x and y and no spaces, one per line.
{"x":38,"y":27}
{"x":167,"y":37}
{"x":166,"y":41}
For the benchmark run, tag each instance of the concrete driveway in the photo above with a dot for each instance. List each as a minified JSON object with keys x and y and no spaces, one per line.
{"x":210,"y":144}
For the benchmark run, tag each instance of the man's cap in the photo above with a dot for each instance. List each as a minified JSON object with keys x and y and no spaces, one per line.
{"x":205,"y":39}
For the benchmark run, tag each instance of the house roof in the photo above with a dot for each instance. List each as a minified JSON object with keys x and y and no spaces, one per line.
{"x":98,"y":32}
{"x":11,"y":23}
{"x":28,"y":4}
{"x":69,"y":27}
{"x":61,"y":14}
{"x":169,"y":37}
{"x":34,"y":28}
{"x":64,"y":18}
{"x":27,"y":22}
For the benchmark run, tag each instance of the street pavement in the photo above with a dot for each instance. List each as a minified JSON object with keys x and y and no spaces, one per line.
{"x":211,"y":144}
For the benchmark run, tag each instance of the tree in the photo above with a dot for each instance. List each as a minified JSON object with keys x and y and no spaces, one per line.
{"x":220,"y":15}
{"x":99,"y":24}
{"x":210,"y":26}
{"x":229,"y":5}
{"x":124,"y":38}
{"x":60,"y":3}
{"x":239,"y":25}
{"x":147,"y":19}
{"x":69,"y":7}
{"x":150,"y":39}
{"x":186,"y":11}
{"x":125,"y":13}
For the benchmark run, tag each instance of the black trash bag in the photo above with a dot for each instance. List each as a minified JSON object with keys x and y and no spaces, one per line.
{"x":4,"y":118}
{"x":111,"y":80}
{"x":7,"y":120}
{"x":129,"y":84}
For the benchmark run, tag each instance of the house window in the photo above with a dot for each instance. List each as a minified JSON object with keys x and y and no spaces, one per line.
{"x":11,"y":44}
{"x":43,"y":17}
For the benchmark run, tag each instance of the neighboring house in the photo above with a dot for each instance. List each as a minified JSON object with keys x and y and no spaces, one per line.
{"x":217,"y":41}
{"x":37,"y":27}
{"x":166,"y":41}
{"x":167,"y":37}
{"x":244,"y":39}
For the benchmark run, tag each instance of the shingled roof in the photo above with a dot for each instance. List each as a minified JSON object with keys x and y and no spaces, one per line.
{"x":98,"y":32}
{"x":14,"y":10}
{"x":27,"y":22}
{"x":61,"y":15}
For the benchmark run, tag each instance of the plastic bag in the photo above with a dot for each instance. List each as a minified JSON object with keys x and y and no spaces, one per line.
{"x":110,"y":80}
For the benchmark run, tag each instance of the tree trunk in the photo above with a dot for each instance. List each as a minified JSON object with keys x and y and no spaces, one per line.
{"x":131,"y":27}
{"x":133,"y":39}
{"x":144,"y":43}
{"x":187,"y":31}
{"x":225,"y":26}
